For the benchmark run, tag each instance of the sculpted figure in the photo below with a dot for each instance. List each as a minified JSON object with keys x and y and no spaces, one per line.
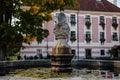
{"x":61,"y":29}
{"x":61,"y":51}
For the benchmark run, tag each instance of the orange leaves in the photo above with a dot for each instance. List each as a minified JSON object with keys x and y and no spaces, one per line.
{"x":37,"y":6}
{"x":28,"y":38}
{"x":34,"y":10}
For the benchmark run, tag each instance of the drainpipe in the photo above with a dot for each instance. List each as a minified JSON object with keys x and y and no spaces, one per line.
{"x":78,"y":33}
{"x":47,"y":47}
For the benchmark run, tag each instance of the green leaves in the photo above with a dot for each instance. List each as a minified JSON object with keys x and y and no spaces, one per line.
{"x":10,"y":37}
{"x":31,"y":15}
{"x":41,"y":34}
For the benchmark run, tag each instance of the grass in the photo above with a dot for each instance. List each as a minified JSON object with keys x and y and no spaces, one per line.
{"x":43,"y":73}
{"x":13,"y":57}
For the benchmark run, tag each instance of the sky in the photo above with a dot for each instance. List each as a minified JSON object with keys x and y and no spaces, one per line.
{"x":118,"y":3}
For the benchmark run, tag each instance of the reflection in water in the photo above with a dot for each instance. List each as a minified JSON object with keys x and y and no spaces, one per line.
{"x":84,"y":73}
{"x":6,"y":70}
{"x":102,"y":67}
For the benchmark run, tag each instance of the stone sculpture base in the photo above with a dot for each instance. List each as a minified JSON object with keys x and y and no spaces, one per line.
{"x":61,"y":63}
{"x":61,"y":59}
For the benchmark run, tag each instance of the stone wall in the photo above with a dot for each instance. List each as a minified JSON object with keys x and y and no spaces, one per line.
{"x":47,"y":63}
{"x":25,"y":63}
{"x":92,"y":64}
{"x":110,"y":65}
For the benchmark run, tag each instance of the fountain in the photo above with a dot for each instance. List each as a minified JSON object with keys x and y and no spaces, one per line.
{"x":61,"y":52}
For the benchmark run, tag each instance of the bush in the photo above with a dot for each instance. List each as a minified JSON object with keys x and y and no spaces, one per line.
{"x":31,"y":57}
{"x":48,"y":57}
{"x":40,"y":56}
{"x":35,"y":57}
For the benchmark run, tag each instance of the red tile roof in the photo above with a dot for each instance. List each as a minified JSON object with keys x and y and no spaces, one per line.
{"x":94,"y":5}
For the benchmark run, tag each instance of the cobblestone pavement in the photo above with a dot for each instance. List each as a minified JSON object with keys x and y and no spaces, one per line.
{"x":27,"y":78}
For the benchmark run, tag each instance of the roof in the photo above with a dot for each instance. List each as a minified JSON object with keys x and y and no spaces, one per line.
{"x":97,"y":5}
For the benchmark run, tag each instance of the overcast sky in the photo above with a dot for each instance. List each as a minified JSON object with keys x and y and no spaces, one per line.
{"x":118,"y":3}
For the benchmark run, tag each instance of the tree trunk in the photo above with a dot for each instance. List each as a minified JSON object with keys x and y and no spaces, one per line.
{"x":2,"y":52}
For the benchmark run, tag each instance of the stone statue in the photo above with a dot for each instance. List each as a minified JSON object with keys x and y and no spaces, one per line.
{"x":61,"y":52}
{"x":61,"y":29}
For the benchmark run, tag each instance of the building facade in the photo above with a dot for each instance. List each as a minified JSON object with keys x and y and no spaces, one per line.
{"x":94,"y":30}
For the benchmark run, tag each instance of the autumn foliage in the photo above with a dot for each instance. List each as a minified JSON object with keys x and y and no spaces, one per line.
{"x":21,"y":21}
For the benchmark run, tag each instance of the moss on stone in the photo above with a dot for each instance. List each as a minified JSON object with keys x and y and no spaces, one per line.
{"x":43,"y":73}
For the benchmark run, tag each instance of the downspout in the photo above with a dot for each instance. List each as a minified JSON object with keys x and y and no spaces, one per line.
{"x":78,"y":33}
{"x":47,"y":47}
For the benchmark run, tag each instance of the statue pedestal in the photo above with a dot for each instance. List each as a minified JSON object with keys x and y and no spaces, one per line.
{"x":61,"y":57}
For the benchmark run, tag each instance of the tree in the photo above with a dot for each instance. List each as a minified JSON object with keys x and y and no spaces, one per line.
{"x":30,"y":15}
{"x":114,"y":51}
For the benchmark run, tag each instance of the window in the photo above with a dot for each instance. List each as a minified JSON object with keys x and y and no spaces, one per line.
{"x":88,"y":53}
{"x":39,"y":51}
{"x":72,"y":19}
{"x":114,"y":20}
{"x":73,"y":51}
{"x":102,"y":35}
{"x":114,"y":23}
{"x":88,"y":35}
{"x":114,"y":36}
{"x":102,"y":19}
{"x":102,"y":22}
{"x":73,"y":36}
{"x":102,"y":52}
{"x":87,"y":21}
{"x":87,"y":18}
